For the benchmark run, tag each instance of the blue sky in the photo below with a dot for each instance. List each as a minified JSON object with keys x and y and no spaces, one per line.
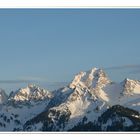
{"x":52,"y":45}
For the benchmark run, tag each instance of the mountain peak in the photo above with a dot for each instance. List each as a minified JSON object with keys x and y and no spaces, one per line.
{"x":91,"y":79}
{"x":128,"y":80}
{"x":131,"y":86}
{"x":31,"y":85}
{"x":31,"y":92}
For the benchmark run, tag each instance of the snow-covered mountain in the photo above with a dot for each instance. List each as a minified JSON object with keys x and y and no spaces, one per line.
{"x":23,"y":105}
{"x":30,"y":93}
{"x":131,"y":87}
{"x":88,"y":95}
{"x":3,"y":96}
{"x":84,"y":102}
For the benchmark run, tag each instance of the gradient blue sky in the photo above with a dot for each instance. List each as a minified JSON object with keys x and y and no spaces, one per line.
{"x":54,"y":44}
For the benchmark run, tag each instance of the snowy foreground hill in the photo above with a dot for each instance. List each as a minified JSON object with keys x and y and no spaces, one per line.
{"x":91,"y":102}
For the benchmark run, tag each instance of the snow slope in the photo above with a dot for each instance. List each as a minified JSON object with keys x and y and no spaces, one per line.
{"x":123,"y":92}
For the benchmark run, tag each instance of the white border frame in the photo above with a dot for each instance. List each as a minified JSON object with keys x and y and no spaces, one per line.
{"x":69,"y":3}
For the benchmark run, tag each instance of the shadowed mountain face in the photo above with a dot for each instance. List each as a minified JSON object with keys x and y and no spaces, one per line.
{"x":90,"y":102}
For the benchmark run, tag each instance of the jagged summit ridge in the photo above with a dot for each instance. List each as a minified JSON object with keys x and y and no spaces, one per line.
{"x":131,"y":86}
{"x":92,"y":79}
{"x":31,"y":92}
